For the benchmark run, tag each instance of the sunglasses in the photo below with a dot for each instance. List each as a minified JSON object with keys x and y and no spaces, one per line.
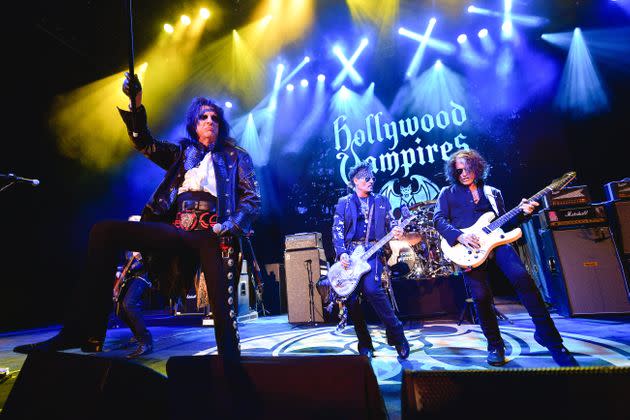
{"x":459,"y":171}
{"x":369,"y":178}
{"x":213,"y":117}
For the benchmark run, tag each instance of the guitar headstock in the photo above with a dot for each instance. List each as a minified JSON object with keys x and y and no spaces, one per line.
{"x":407,"y":216}
{"x":563,"y":181}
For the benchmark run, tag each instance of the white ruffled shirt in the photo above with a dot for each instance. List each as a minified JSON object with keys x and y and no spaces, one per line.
{"x":200,"y":178}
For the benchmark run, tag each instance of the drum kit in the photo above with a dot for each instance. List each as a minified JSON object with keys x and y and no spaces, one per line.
{"x":418,"y":255}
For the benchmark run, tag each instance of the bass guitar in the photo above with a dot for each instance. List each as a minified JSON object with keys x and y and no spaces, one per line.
{"x":490,"y":233}
{"x":345,"y":280}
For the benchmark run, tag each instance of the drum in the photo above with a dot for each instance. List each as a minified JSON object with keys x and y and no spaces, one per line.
{"x":404,"y":261}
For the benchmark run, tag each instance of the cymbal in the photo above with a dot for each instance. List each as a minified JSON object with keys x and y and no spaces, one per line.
{"x":422,"y":204}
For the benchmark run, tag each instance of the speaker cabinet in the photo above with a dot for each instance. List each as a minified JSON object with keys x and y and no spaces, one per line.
{"x":303,"y":269}
{"x":275,"y":388}
{"x":583,"y":271}
{"x":61,"y":385}
{"x":619,"y":216}
{"x":567,"y":393}
{"x":275,"y":292}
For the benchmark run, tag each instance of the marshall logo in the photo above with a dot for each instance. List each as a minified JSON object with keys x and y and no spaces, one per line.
{"x":573,"y":213}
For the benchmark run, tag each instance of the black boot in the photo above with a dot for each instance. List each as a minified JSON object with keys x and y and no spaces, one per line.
{"x":62,"y":341}
{"x":403,"y":348}
{"x":560,"y":354}
{"x":145,"y":346}
{"x":496,"y":356}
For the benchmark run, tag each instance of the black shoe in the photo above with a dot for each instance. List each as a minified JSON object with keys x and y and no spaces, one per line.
{"x":562,"y":356}
{"x":61,"y":342}
{"x":141,"y":350}
{"x":496,"y":356}
{"x":403,"y":348}
{"x":366,"y":351}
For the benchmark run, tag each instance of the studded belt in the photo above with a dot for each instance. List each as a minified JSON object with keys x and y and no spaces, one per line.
{"x":196,"y":214}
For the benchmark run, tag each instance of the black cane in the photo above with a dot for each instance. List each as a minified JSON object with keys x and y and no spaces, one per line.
{"x":132,"y":86}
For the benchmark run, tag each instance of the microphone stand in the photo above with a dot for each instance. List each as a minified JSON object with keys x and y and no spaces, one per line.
{"x":311,"y":302}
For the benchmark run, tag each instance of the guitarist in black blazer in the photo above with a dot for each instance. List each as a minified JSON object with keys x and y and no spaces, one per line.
{"x":353,"y":214}
{"x":458,"y":207}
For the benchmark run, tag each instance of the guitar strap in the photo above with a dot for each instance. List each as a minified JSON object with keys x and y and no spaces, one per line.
{"x":369,"y":223}
{"x":493,"y":202}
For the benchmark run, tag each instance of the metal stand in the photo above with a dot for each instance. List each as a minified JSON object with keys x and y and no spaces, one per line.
{"x":311,"y":297}
{"x":258,"y":284}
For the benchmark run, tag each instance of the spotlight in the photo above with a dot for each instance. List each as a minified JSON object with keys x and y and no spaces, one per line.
{"x":168,"y":28}
{"x":462,"y":38}
{"x":280,"y":67}
{"x":438,"y":64}
{"x":483,"y":33}
{"x":185,"y":20}
{"x":304,"y":83}
{"x":307,"y":59}
{"x":204,"y":13}
{"x":290,"y":87}
{"x":228,"y":104}
{"x":321,"y":78}
{"x":344,"y":93}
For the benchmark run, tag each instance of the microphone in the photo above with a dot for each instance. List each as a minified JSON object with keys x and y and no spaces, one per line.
{"x":217,"y":228}
{"x":13,"y":177}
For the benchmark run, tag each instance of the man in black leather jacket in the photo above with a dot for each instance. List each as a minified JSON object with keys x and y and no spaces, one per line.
{"x":208,"y":198}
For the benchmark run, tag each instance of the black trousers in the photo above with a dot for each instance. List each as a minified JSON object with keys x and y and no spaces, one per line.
{"x":131,"y":308}
{"x":511,"y":265}
{"x":372,"y":290}
{"x":108,"y":239}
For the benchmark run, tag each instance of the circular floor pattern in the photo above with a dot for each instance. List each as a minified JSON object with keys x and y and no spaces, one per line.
{"x":435,"y":347}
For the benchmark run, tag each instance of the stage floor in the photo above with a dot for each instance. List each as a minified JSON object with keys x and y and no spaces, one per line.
{"x":435,"y":344}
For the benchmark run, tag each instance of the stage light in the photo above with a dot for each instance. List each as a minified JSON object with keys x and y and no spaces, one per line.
{"x":204,"y":13}
{"x":462,"y":38}
{"x":482,"y":33}
{"x":168,"y":28}
{"x":304,"y":83}
{"x":438,"y":64}
{"x":487,"y":43}
{"x":348,"y":64}
{"x":581,"y":91}
{"x":527,"y":20}
{"x":307,"y":59}
{"x":472,"y":9}
{"x":344,"y":93}
{"x":266,"y":20}
{"x":441,"y":46}
{"x":280,"y":68}
{"x":290,"y":87}
{"x":321,"y":78}
{"x":185,"y":20}
{"x":228,"y":104}
{"x":414,"y":65}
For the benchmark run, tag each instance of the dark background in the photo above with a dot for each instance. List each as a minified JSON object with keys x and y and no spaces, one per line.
{"x":60,"y":46}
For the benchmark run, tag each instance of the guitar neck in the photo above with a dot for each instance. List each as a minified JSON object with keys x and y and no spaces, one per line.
{"x":500,"y":221}
{"x":377,"y":246}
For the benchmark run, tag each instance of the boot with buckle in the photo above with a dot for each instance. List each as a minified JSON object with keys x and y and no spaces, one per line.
{"x":402,"y":348}
{"x":560,"y":354}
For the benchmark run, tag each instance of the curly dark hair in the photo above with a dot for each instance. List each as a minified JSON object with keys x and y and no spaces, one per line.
{"x":192,"y":118}
{"x":474,"y":163}
{"x":364,"y":165}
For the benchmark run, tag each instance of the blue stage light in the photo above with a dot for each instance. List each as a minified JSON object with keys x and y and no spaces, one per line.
{"x":348,"y":64}
{"x":581,"y":91}
{"x":321,"y":78}
{"x":304,"y":83}
{"x":414,"y":65}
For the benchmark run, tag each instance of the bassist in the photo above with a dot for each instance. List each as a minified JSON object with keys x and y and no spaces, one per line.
{"x":363,"y":217}
{"x":458,"y":207}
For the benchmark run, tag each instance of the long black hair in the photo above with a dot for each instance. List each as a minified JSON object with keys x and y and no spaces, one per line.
{"x":192,"y":118}
{"x":474,"y":163}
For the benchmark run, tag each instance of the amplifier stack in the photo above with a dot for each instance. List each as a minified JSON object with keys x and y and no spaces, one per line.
{"x":583,"y":270}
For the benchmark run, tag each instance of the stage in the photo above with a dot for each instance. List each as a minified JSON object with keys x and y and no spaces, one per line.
{"x":436,"y":344}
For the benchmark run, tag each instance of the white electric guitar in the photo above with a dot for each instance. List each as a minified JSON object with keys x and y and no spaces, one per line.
{"x":345,"y":280}
{"x":490,"y":233}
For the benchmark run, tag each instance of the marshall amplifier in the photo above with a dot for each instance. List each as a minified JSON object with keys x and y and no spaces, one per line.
{"x":303,"y":241}
{"x":568,"y":197}
{"x":572,"y":218}
{"x":618,"y":190}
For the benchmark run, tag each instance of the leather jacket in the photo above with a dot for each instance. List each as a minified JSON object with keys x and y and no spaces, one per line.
{"x":238,"y":193}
